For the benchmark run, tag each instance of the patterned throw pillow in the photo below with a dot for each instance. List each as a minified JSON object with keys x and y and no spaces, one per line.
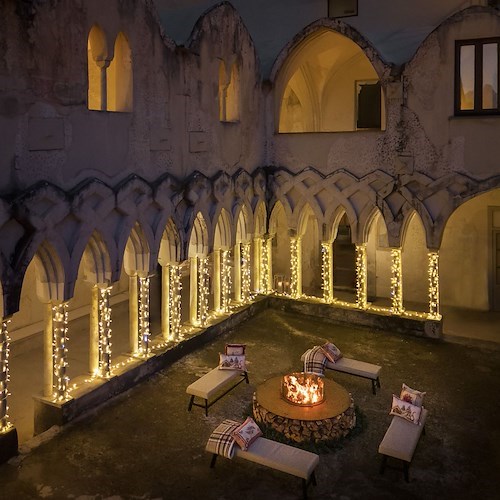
{"x":412,"y":395}
{"x":405,"y":410}
{"x":232,"y":362}
{"x":332,"y":352}
{"x":235,"y":349}
{"x":246,"y":433}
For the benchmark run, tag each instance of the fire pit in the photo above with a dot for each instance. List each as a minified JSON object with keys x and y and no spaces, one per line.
{"x":294,"y":405}
{"x":302,"y":389}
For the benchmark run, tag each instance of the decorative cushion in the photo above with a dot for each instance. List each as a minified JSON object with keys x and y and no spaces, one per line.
{"x":232,"y":362}
{"x":412,"y":395}
{"x":332,"y":352}
{"x":246,"y":433}
{"x":235,"y":349}
{"x":405,"y":410}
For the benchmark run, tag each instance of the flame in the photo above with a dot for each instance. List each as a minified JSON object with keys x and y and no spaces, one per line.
{"x":303,"y":388}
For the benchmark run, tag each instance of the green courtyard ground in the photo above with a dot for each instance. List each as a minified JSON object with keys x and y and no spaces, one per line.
{"x":144,"y":444}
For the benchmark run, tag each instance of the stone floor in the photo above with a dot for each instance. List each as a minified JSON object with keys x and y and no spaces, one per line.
{"x":144,"y":444}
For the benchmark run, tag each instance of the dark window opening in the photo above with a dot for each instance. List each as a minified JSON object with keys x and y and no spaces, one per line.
{"x":369,"y":105}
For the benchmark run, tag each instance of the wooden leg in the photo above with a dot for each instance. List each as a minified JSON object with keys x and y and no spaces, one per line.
{"x":212,"y":462}
{"x":190,"y":403}
{"x":374,"y":386}
{"x":313,"y":478}
{"x":406,"y":470}
{"x":382,"y":465}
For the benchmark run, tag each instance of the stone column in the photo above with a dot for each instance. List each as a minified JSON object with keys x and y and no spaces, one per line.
{"x":257,"y":260}
{"x":294,"y":267}
{"x":245,"y":272}
{"x":165,"y":302}
{"x":60,"y":351}
{"x":361,"y":275}
{"x":94,"y":331}
{"x":434,"y":285}
{"x":193,"y":291}
{"x":133,"y":313}
{"x":144,"y":330}
{"x":237,"y":272}
{"x":225,"y":280}
{"x":48,"y":359}
{"x":396,"y":282}
{"x":327,"y":271}
{"x":104,"y":311}
{"x":175,"y":301}
{"x":4,"y":377}
{"x":217,"y":280}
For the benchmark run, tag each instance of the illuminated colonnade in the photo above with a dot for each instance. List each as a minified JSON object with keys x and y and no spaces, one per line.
{"x":5,"y":424}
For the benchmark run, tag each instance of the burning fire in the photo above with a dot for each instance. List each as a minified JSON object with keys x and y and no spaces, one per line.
{"x":304,"y":389}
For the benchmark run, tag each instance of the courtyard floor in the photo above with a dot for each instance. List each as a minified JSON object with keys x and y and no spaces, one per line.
{"x":144,"y":444}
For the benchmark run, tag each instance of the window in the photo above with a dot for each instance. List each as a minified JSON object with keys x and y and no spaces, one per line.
{"x":368,"y":105}
{"x":476,"y":76}
{"x":110,"y":81}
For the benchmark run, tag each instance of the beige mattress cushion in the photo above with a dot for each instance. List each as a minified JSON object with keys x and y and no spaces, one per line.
{"x":355,"y":367}
{"x":211,"y":382}
{"x":279,"y":456}
{"x":401,"y":437}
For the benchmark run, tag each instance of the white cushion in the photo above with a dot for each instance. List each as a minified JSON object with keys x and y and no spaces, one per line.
{"x":355,"y":367}
{"x":401,"y":437}
{"x":279,"y":456}
{"x":207,"y":385}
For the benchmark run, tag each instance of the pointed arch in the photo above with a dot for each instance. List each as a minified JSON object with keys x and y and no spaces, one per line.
{"x":260,"y":220}
{"x":49,"y":273}
{"x":96,"y":259}
{"x":120,"y":76}
{"x":97,"y":54}
{"x":137,"y":255}
{"x":242,"y":226}
{"x":324,"y":81}
{"x":198,"y":240}
{"x":222,"y":234}
{"x":170,"y":246}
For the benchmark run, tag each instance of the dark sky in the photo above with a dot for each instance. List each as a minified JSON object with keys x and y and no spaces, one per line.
{"x":395,"y":27}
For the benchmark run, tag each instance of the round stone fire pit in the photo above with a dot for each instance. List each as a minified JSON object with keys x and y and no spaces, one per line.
{"x":327,"y":421}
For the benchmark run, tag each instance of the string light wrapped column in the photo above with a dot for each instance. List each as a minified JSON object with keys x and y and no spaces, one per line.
{"x":265,"y":266}
{"x":245,"y":272}
{"x":396,"y":282}
{"x":237,"y":272}
{"x":217,"y":278}
{"x":226,"y":279}
{"x":203,"y":290}
{"x":361,"y":276}
{"x":433,"y":272}
{"x":144,"y":332}
{"x":104,"y":332}
{"x":174,"y":299}
{"x":60,"y":351}
{"x":257,"y":265}
{"x":327,"y":271}
{"x":165,"y":302}
{"x":5,"y":425}
{"x":294,"y":267}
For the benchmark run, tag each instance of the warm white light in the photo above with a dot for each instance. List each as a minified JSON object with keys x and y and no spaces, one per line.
{"x":326,"y":271}
{"x":203,"y":290}
{"x":294,"y":267}
{"x":361,"y":275}
{"x":175,"y":302}
{"x":265,"y":284}
{"x":5,"y":425}
{"x":144,"y":332}
{"x":245,"y":272}
{"x":396,"y":282}
{"x":433,"y":273}
{"x":226,"y":279}
{"x":60,"y":351}
{"x":104,"y":332}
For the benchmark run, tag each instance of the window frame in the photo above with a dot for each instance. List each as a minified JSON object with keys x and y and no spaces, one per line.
{"x":478,"y":44}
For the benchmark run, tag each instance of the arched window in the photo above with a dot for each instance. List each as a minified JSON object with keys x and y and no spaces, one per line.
{"x":110,"y":82}
{"x":229,"y":93}
{"x":328,"y":84}
{"x":120,"y":83}
{"x":97,"y":55}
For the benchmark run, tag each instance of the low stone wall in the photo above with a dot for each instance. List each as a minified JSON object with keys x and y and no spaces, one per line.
{"x":300,"y":431}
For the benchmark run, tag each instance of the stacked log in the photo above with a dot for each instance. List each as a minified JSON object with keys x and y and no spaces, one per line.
{"x":300,"y":431}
